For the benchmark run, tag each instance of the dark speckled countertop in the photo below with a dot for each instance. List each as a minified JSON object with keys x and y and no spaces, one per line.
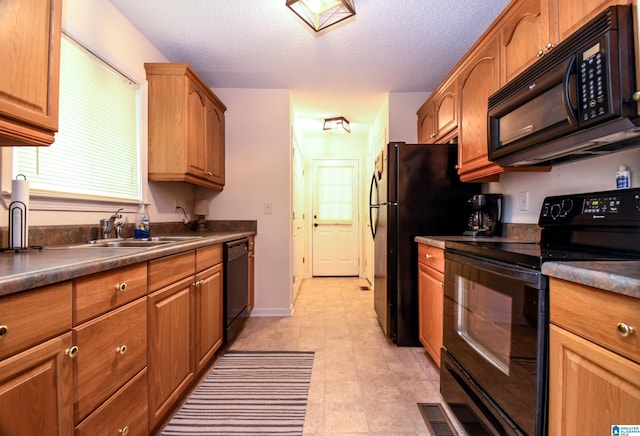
{"x":619,"y":277}
{"x":34,"y":268}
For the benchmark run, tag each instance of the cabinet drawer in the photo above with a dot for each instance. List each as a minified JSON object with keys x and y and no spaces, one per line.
{"x":594,"y":314}
{"x":126,"y":409}
{"x":208,"y":256}
{"x":102,"y":365}
{"x":30,"y":317}
{"x":431,"y":256}
{"x":170,"y":269}
{"x":99,"y":293}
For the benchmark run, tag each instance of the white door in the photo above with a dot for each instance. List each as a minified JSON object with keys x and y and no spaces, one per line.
{"x":335,"y":232}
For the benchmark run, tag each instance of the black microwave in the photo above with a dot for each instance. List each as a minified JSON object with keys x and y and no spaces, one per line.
{"x":577,"y":101}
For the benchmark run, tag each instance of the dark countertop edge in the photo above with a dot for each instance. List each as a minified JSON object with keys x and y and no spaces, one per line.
{"x":621,"y":277}
{"x":438,"y":241}
{"x":91,"y":260}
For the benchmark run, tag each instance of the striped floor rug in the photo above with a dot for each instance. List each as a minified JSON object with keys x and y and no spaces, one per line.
{"x":248,"y":393}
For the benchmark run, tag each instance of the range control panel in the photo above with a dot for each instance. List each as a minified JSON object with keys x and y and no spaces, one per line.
{"x":620,"y":208}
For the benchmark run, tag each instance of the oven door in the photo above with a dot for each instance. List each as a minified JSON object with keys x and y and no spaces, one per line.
{"x":495,"y":329}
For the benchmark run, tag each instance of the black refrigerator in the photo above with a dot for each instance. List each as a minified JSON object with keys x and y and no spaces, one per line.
{"x":415,"y":191}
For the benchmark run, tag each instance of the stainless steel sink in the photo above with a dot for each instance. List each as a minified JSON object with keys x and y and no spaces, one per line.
{"x":129,"y":242}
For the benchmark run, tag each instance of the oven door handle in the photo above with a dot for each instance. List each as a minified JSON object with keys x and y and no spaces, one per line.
{"x":513,"y":272}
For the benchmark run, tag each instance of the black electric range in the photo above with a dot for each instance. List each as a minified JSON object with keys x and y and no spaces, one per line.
{"x":596,"y":226}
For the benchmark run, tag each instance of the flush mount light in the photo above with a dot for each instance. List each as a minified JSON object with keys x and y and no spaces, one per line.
{"x":337,"y":125}
{"x":320,"y":14}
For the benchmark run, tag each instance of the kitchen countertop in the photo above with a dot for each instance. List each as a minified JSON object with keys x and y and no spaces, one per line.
{"x":438,"y":241}
{"x":34,"y":268}
{"x":621,"y":277}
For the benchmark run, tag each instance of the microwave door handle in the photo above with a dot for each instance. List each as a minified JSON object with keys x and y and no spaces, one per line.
{"x":571,"y":91}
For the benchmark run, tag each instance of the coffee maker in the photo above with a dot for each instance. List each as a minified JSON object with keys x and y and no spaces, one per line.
{"x":486,"y":215}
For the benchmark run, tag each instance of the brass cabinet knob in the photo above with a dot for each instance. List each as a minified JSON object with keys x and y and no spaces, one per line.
{"x":549,"y":46}
{"x":121,"y":287}
{"x":72,"y":351}
{"x":199,"y":283}
{"x":433,"y":135}
{"x":428,"y":256}
{"x":208,"y":174}
{"x":4,"y":331}
{"x":625,"y":329}
{"x":636,"y":96}
{"x":540,"y":53}
{"x":441,"y":284}
{"x":121,"y":350}
{"x":124,"y":431}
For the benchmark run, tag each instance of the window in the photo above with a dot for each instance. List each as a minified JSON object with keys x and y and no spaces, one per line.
{"x":96,"y":152}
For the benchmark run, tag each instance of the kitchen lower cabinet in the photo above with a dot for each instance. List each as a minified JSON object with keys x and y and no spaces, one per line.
{"x":207,"y":316}
{"x":29,"y":83}
{"x":431,"y":299}
{"x":36,"y":390}
{"x":36,"y":362}
{"x":594,"y":360}
{"x":252,"y":273}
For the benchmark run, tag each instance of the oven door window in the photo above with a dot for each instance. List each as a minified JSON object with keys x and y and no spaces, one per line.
{"x":484,"y":320}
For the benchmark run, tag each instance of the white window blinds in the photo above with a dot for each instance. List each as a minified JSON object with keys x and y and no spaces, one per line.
{"x":96,"y":152}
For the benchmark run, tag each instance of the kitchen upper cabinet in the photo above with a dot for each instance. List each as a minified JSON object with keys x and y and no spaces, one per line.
{"x":594,"y":360}
{"x":524,"y":36}
{"x":569,"y":16}
{"x":30,"y":72}
{"x":438,"y":115}
{"x":186,"y":127}
{"x":478,"y":80}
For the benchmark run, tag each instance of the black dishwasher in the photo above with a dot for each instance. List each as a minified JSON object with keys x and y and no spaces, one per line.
{"x":236,"y":286}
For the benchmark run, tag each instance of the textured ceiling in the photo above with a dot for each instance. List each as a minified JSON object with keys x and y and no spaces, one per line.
{"x":389,"y":46}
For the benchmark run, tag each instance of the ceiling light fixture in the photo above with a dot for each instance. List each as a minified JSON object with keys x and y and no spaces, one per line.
{"x":320,"y":14}
{"x":337,"y":125}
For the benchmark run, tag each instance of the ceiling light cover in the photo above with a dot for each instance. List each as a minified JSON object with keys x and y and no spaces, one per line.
{"x":320,"y":14}
{"x":337,"y":125}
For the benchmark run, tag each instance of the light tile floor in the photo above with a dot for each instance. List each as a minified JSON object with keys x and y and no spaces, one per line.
{"x":361,"y":384}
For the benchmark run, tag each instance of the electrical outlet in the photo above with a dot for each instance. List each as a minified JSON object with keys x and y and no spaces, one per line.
{"x":267,"y":208}
{"x":524,"y":200}
{"x":175,"y":204}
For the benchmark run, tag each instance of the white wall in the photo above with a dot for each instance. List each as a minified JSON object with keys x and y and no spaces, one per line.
{"x":258,"y":168}
{"x":592,"y":174}
{"x":403,"y":118}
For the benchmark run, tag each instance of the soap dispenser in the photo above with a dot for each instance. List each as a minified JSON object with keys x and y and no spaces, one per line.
{"x":143,"y":226}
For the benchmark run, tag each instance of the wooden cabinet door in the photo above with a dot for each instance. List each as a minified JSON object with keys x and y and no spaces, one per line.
{"x":570,"y":15}
{"x":590,"y":388}
{"x":478,"y":81}
{"x":524,"y":36}
{"x":170,"y":363}
{"x":252,"y":273}
{"x":36,"y":391}
{"x":445,"y":110}
{"x":431,"y":307}
{"x":214,"y":143}
{"x":196,"y":140}
{"x":208,"y":314}
{"x":426,"y":123}
{"x":29,"y":83}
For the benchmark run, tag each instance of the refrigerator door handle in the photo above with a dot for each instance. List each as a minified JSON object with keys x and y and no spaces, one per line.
{"x":372,"y":206}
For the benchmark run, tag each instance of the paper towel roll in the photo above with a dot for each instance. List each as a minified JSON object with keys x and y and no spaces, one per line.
{"x":18,"y":226}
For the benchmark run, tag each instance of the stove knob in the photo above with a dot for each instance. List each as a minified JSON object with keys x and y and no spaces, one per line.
{"x":555,"y":210}
{"x":567,"y":205}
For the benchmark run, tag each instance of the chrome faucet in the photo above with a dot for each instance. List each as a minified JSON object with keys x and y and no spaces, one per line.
{"x":107,"y":224}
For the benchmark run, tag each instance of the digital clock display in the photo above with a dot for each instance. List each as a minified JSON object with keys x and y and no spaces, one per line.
{"x":590,"y":52}
{"x":601,"y":205}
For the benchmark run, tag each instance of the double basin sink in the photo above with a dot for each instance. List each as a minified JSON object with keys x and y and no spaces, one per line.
{"x":130,"y":242}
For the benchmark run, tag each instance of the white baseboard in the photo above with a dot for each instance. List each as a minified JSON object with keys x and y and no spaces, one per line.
{"x":271,"y":311}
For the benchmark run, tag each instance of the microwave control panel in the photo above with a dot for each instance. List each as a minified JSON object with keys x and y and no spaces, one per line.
{"x":591,"y":84}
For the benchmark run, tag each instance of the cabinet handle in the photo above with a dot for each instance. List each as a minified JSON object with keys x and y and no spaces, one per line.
{"x":121,"y":350}
{"x":433,"y":135}
{"x":4,"y":330}
{"x":540,"y":53}
{"x":121,"y":287}
{"x":428,"y":256}
{"x":549,"y":46}
{"x":441,"y":284}
{"x":208,"y":174}
{"x":72,"y":352}
{"x":625,"y":329}
{"x":636,"y":96}
{"x":199,"y":283}
{"x":124,"y":431}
